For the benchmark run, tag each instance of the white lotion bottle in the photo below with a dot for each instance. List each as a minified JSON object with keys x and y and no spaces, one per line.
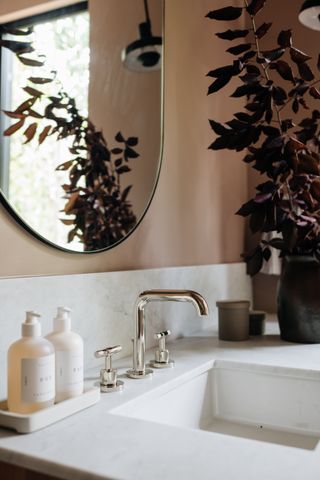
{"x":69,"y":356}
{"x":31,"y":369}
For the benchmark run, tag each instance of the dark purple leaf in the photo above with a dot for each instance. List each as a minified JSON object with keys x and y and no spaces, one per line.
{"x":266,"y":254}
{"x":218,"y":84}
{"x":43,"y":135}
{"x":236,"y":124}
{"x":287,"y":124}
{"x":255,"y":262}
{"x":315,"y":189}
{"x":257,"y":219}
{"x":247,"y":56}
{"x":253,"y":107}
{"x":116,"y":151}
{"x":220,"y":143}
{"x":33,"y":92}
{"x":125,"y":193}
{"x":123,"y":169}
{"x":303,"y":103}
{"x":270,"y":131}
{"x":290,"y":235}
{"x":13,"y":128}
{"x":308,"y":164}
{"x":17,"y":31}
{"x":30,"y":132}
{"x":295,"y":105}
{"x":226,"y":13}
{"x":248,"y":158}
{"x":263,"y":30}
{"x":253,"y":69}
{"x":130,"y":153}
{"x":314,"y":92}
{"x":284,"y":70}
{"x":119,"y":137}
{"x":218,"y":128}
{"x":30,"y":62}
{"x":255,"y":7}
{"x":269,"y":115}
{"x":285,"y":38}
{"x":247,"y":209}
{"x":299,"y":90}
{"x":249,"y":89}
{"x":279,"y":95}
{"x":132,"y":141}
{"x":227,"y":71}
{"x":297,"y":56}
{"x":238,"y":49}
{"x":40,"y":80}
{"x":232,"y":34}
{"x":249,"y":78}
{"x":16,"y":47}
{"x":243,"y":117}
{"x":262,"y":197}
{"x":277,"y":243}
{"x":305,"y":72}
{"x":273,"y":55}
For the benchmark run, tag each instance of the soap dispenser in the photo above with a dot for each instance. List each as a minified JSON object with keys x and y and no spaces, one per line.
{"x":31,"y":369}
{"x":69,"y":356}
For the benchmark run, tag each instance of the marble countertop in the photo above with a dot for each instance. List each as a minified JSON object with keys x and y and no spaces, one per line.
{"x":97,"y":444}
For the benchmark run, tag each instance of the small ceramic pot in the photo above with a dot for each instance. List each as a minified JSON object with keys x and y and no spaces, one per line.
{"x":257,"y":323}
{"x":233,"y":320}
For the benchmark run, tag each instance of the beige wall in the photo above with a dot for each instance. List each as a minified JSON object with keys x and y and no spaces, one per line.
{"x":191,"y":220}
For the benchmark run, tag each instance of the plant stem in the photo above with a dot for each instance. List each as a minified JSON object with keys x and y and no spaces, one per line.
{"x":266,"y":74}
{"x":265,"y":69}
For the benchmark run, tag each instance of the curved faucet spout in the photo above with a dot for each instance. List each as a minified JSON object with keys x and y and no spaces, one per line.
{"x":174,"y":296}
{"x":201,"y":306}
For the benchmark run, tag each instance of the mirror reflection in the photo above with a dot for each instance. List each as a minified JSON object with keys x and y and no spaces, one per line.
{"x":81,"y":119}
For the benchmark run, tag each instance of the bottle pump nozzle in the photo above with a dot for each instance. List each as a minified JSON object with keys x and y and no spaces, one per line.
{"x":62,"y":321}
{"x":31,"y":326}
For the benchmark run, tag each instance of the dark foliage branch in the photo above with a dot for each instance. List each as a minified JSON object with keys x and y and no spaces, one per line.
{"x":100,"y":210}
{"x":285,"y":152}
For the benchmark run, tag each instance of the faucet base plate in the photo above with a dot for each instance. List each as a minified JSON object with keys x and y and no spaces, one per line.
{"x":118,"y":387}
{"x":137,"y":374}
{"x":155,"y":364}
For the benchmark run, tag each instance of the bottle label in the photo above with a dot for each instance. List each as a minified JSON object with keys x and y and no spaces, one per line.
{"x":37,"y":379}
{"x":69,"y":370}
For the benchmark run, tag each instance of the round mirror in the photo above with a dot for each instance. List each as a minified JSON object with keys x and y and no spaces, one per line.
{"x":81,"y":118}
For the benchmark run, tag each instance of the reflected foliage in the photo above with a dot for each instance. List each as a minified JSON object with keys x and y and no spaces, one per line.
{"x":97,"y":208}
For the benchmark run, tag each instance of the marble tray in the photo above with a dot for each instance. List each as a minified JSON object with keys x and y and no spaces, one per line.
{"x":27,"y":423}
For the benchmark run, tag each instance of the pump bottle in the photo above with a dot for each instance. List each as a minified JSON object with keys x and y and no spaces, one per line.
{"x":69,"y":356}
{"x":31,"y":369}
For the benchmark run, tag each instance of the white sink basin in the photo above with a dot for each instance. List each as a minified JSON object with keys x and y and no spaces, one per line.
{"x":273,"y":404}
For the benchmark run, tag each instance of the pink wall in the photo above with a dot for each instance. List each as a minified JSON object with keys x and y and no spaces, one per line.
{"x":191,"y":220}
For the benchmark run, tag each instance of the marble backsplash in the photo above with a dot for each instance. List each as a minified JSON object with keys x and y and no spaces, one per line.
{"x":103,"y":304}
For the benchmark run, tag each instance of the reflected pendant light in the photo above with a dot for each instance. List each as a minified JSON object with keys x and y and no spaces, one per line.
{"x":144,"y":54}
{"x":309,"y":14}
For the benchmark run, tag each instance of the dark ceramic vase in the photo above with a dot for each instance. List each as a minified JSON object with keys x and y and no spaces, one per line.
{"x":299,"y":300}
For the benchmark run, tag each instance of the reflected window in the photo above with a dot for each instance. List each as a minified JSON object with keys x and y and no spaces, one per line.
{"x":25,"y":169}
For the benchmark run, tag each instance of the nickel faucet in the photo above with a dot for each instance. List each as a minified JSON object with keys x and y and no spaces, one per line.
{"x":139,"y":369}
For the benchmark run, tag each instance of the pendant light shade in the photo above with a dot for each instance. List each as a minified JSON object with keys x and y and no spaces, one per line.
{"x":309,"y":14}
{"x":144,"y":54}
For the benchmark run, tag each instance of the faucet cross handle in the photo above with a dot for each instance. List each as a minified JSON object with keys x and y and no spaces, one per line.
{"x":162,"y":355}
{"x":108,"y":375}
